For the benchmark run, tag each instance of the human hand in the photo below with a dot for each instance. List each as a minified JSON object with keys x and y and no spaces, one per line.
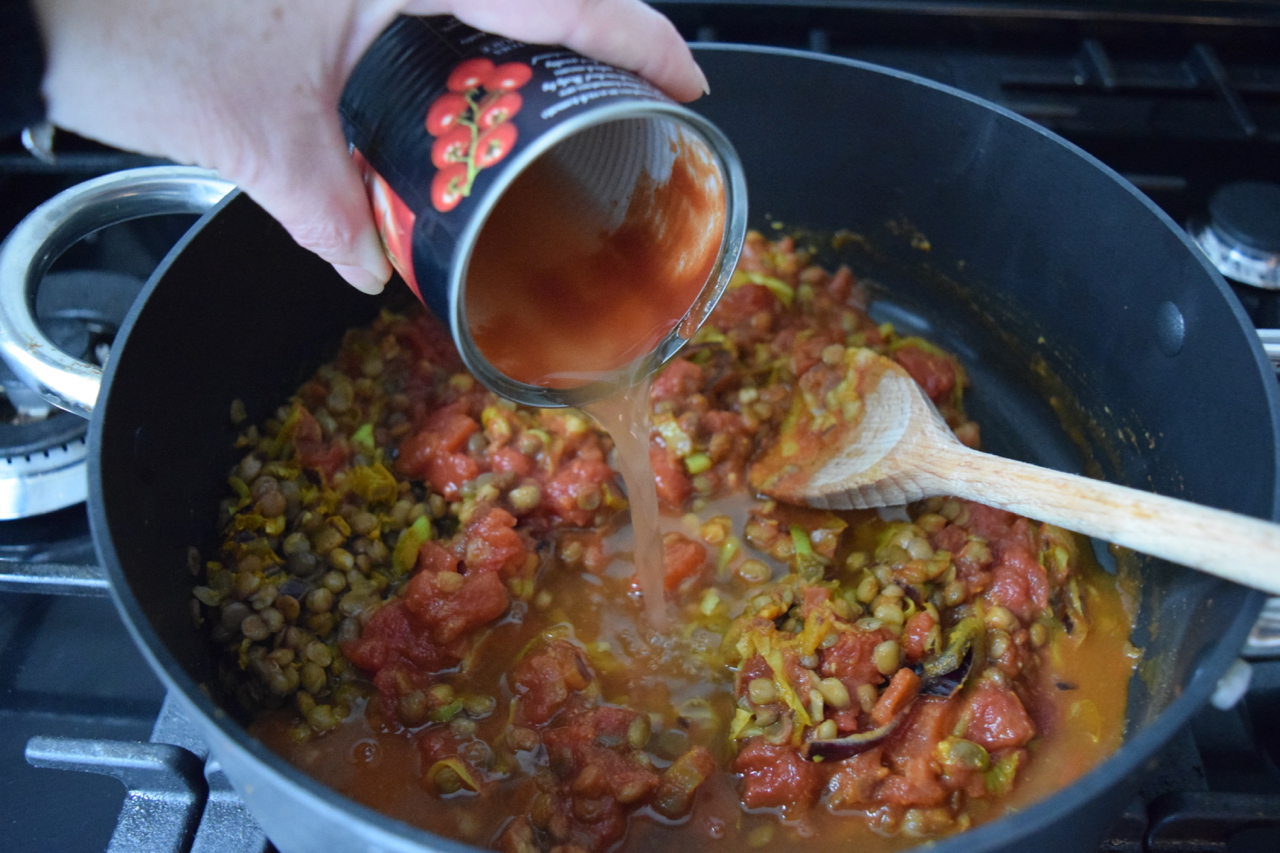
{"x":251,"y":89}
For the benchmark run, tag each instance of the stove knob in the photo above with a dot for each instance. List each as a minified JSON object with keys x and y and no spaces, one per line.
{"x":1242,"y":236}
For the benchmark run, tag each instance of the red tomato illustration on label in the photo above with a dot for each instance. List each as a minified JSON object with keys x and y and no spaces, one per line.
{"x":480,"y":100}
{"x":445,"y":111}
{"x":508,"y":75}
{"x":393,"y":217}
{"x":494,"y":144}
{"x":469,"y":74}
{"x":452,"y":146}
{"x":499,"y":109}
{"x":449,"y":187}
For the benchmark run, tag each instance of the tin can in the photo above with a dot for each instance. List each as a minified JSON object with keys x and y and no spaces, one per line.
{"x":570,"y":223}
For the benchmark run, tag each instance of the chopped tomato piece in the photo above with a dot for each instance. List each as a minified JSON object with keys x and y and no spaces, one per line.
{"x":592,"y":752}
{"x":901,"y":692}
{"x":447,"y":472}
{"x":806,"y":352}
{"x":574,"y":493}
{"x":313,"y":451}
{"x":916,"y":634}
{"x":434,"y":453}
{"x":451,"y":605}
{"x":432,"y":558}
{"x":600,"y":777}
{"x":509,"y":460}
{"x":936,"y":374}
{"x":776,"y":776}
{"x":1020,"y":583}
{"x":684,"y":561}
{"x":854,"y":780}
{"x":492,"y":543}
{"x":997,"y":719}
{"x":391,"y":636}
{"x":673,"y":484}
{"x":450,"y":427}
{"x":678,"y":379}
{"x":914,"y":780}
{"x":743,"y":303}
{"x":546,"y":677}
{"x":850,"y":658}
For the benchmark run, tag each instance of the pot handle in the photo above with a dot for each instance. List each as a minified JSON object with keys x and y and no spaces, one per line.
{"x":53,"y":227}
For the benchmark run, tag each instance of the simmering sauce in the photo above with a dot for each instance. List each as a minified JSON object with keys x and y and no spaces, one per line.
{"x":373,"y":761}
{"x":553,"y":297}
{"x":426,"y":598}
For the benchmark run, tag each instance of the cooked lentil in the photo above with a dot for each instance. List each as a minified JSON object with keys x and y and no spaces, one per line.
{"x":424,"y":592}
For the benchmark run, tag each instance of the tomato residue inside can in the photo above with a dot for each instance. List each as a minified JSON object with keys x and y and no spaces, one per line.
{"x":555,"y":298}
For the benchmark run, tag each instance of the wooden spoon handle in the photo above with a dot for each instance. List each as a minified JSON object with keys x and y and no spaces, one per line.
{"x":1236,"y":547}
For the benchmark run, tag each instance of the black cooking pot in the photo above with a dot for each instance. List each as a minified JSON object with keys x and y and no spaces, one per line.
{"x":1058,"y":284}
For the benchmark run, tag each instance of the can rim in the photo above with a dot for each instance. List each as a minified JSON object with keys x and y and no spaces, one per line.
{"x":735,"y":190}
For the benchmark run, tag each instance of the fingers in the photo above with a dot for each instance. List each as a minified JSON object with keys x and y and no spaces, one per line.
{"x":626,"y":33}
{"x":314,"y":190}
{"x":632,"y":35}
{"x":177,"y":86}
{"x":192,"y":82}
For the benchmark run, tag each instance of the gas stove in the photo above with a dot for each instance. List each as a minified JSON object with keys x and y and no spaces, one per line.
{"x":1182,"y":97}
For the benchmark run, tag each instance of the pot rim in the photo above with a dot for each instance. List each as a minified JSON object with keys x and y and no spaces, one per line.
{"x":1123,"y":763}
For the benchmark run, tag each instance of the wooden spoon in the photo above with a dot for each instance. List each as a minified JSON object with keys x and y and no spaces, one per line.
{"x":870,"y":437}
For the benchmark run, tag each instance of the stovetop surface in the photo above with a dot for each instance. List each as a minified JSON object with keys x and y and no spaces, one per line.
{"x":69,"y":669}
{"x":1180,"y":96}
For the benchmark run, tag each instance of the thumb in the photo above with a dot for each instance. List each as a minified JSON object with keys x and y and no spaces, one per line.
{"x":312,"y":187}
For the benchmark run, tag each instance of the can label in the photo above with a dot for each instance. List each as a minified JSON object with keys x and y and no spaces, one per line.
{"x":434,"y":106}
{"x":566,"y":219}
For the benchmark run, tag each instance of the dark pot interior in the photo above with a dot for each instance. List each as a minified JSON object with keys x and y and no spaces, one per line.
{"x":1049,"y":276}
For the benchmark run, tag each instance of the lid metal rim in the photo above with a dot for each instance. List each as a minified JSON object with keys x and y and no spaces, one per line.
{"x":735,"y":192}
{"x":1237,"y":262}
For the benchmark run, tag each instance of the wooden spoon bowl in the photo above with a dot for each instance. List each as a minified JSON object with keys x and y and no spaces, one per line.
{"x":871,"y":438}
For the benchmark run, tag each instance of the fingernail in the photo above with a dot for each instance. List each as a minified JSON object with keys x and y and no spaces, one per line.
{"x":706,"y":87}
{"x":361,"y":279}
{"x":371,"y":270}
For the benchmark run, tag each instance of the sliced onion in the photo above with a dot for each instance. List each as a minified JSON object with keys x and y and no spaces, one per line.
{"x":849,"y":745}
{"x":942,"y":684}
{"x":948,"y":683}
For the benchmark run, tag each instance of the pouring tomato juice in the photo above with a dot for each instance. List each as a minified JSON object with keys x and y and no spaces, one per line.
{"x":423,"y":602}
{"x":558,"y":300}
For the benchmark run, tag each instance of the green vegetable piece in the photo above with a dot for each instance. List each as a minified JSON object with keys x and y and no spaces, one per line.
{"x":800,"y":539}
{"x":243,"y":495}
{"x":728,"y":551}
{"x":696,"y":463}
{"x":809,"y":563}
{"x":999,"y":779}
{"x":405,"y":557}
{"x":363,"y":439}
{"x":963,"y":754}
{"x":445,"y":713}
